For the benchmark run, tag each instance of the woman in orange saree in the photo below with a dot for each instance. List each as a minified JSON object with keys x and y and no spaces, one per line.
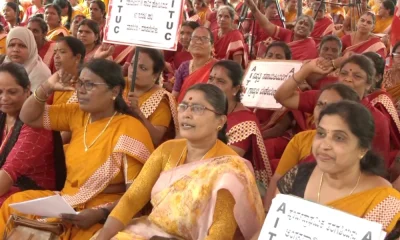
{"x":299,"y":148}
{"x":363,"y":40}
{"x":155,"y":106}
{"x":358,"y":171}
{"x":198,"y":69}
{"x":115,"y":146}
{"x":202,"y":176}
{"x":229,"y":42}
{"x":202,"y":12}
{"x":52,"y":17}
{"x":384,"y":17}
{"x":243,"y":128}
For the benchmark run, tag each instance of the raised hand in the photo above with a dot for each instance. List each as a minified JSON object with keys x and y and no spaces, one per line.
{"x":319,"y":65}
{"x":61,"y":81}
{"x":250,"y":4}
{"x":133,"y":103}
{"x":104,"y":51}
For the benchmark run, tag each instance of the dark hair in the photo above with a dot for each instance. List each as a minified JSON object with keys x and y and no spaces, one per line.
{"x":345,"y":92}
{"x":14,"y":7}
{"x":389,"y":5}
{"x":379,"y":64}
{"x":396,"y":46}
{"x":215,"y":97}
{"x":42,"y":24}
{"x":361,"y":124}
{"x":209,"y":33}
{"x":1,"y":27}
{"x":55,"y":7}
{"x":94,"y":26}
{"x":111,"y":73}
{"x":284,"y":46}
{"x":101,"y":5}
{"x":269,"y":3}
{"x":65,"y":4}
{"x":191,"y":24}
{"x":364,"y":63}
{"x":332,"y":38}
{"x":75,"y":45}
{"x":234,"y":72}
{"x":23,"y":182}
{"x":158,"y":61}
{"x":38,"y":15}
{"x":371,"y":14}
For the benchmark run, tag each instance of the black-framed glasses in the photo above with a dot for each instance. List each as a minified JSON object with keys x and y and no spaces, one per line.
{"x":202,"y":39}
{"x":196,"y":109}
{"x":87,"y":85}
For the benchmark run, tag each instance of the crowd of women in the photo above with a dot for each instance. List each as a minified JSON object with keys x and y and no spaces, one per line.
{"x":180,"y":157}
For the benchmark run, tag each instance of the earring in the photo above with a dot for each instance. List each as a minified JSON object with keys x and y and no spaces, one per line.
{"x":113,"y":98}
{"x":219,"y":128}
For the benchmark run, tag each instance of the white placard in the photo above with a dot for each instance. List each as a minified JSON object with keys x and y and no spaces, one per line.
{"x":51,"y":206}
{"x":263,"y":78}
{"x":295,"y":218}
{"x":148,"y":23}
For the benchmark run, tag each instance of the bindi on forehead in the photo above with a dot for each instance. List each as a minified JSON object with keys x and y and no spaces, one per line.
{"x":190,"y":98}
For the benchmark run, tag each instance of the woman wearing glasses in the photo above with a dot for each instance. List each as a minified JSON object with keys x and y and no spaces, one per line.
{"x":198,"y":69}
{"x":154,"y":105}
{"x":201,"y":173}
{"x":243,"y":127}
{"x":108,"y":147}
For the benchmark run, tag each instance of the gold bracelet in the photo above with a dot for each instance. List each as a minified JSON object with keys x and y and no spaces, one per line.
{"x":37,"y":97}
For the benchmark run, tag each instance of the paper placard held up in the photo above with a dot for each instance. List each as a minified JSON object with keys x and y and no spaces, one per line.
{"x":263,"y":78}
{"x":295,"y":218}
{"x":51,"y":206}
{"x":148,"y":23}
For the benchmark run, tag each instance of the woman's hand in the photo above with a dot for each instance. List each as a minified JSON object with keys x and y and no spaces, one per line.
{"x":61,"y":81}
{"x":104,"y":51}
{"x":84,"y":219}
{"x":133,"y":103}
{"x":319,"y":66}
{"x":250,"y":4}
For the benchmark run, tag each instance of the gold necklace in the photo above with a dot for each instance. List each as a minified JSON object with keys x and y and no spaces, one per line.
{"x":320,"y":185}
{"x":94,"y":141}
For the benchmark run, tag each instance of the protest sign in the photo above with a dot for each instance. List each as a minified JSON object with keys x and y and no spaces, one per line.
{"x":295,"y":218}
{"x":148,"y":23}
{"x":262,"y":79}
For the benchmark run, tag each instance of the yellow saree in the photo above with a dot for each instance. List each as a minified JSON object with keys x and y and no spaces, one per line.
{"x":382,"y":25}
{"x":114,"y":159}
{"x":56,"y":33}
{"x":190,"y":199}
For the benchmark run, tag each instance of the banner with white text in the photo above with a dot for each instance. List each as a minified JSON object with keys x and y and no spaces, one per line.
{"x":146,"y":23}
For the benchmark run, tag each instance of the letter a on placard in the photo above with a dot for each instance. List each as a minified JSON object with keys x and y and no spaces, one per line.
{"x":254,"y":69}
{"x":282,"y":208}
{"x":367,"y":236}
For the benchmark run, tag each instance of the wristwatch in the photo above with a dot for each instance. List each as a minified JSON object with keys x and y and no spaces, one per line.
{"x":106,"y":212}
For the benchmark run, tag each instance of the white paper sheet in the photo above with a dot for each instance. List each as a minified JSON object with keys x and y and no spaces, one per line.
{"x":51,"y":206}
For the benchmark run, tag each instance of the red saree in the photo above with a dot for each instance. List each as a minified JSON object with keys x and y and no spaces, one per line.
{"x":244,"y":132}
{"x":212,"y":18}
{"x":373,"y":44}
{"x":229,"y":44}
{"x":46,"y":52}
{"x":322,"y":28}
{"x":121,"y":54}
{"x":176,"y":58}
{"x":395,"y":32}
{"x":201,"y":75}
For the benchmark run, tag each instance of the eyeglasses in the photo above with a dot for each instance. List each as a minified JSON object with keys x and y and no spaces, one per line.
{"x":87,"y":85}
{"x":196,"y":109}
{"x":200,"y":39}
{"x":396,"y":55}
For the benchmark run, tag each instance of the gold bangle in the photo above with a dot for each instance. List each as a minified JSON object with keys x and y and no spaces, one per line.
{"x":37,"y":97}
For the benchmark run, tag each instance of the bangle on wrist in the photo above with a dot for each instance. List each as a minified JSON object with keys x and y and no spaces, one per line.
{"x":106,"y":212}
{"x":37,"y":98}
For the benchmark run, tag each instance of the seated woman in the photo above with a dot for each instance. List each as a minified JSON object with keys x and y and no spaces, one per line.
{"x":347,"y":174}
{"x":28,"y":156}
{"x":98,"y":14}
{"x":75,"y":24}
{"x":298,"y":39}
{"x":52,"y":16}
{"x":299,"y":148}
{"x":45,"y":48}
{"x":89,"y":34}
{"x":212,"y":22}
{"x":36,"y":8}
{"x":10,"y":14}
{"x":213,"y":200}
{"x":356,"y":72}
{"x":384,"y":17}
{"x":229,"y":42}
{"x":198,"y":69}
{"x":363,"y":40}
{"x":202,"y":11}
{"x":154,"y":105}
{"x":22,"y":49}
{"x":243,"y":129}
{"x":391,"y":77}
{"x":104,"y":130}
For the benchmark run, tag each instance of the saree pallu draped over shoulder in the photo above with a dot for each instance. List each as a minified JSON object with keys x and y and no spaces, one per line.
{"x":184,"y":200}
{"x":114,"y":158}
